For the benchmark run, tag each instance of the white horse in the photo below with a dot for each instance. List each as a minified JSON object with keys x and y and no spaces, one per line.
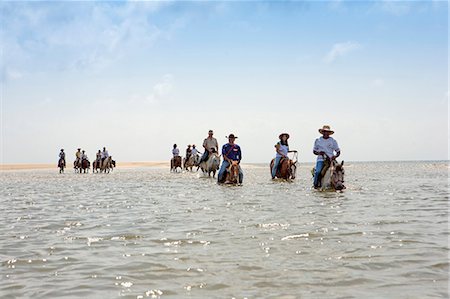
{"x":106,"y":165}
{"x":191,"y":162}
{"x":211,"y":165}
{"x":333,"y":178}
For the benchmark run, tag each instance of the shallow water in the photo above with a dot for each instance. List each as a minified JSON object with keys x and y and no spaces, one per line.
{"x":141,"y":233}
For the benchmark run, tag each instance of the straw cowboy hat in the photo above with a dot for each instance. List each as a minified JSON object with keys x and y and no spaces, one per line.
{"x":281,"y":135}
{"x":326,"y":128}
{"x":231,"y":136}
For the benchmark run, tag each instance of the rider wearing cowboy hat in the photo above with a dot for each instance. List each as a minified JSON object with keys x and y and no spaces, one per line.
{"x":210,"y":145}
{"x":230,"y":152}
{"x":325,"y":147}
{"x":62,"y":155}
{"x":282,"y":150}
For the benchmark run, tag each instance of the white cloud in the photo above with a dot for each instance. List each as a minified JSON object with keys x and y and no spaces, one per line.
{"x":341,"y":49}
{"x":162,"y":89}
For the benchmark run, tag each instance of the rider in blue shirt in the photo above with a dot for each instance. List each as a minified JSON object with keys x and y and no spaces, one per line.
{"x":230,"y":152}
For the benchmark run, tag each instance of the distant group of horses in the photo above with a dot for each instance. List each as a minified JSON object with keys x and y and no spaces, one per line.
{"x":83,"y":166}
{"x":208,"y":167}
{"x":331,"y":176}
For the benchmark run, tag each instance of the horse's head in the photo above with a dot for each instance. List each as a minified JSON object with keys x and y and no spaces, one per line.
{"x":292,"y":168}
{"x":337,"y":178}
{"x":234,"y":171}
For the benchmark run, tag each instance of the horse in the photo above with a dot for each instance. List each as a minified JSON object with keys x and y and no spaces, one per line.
{"x":85,"y":165}
{"x":109,"y":166}
{"x":96,"y":165}
{"x":106,"y":165}
{"x":332,"y":178}
{"x":175,"y":162}
{"x":61,"y":165}
{"x":211,"y":164}
{"x":232,"y":174}
{"x":191,"y":162}
{"x":77,"y":165}
{"x":287,"y":168}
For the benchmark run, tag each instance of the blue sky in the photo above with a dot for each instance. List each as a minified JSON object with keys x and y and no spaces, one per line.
{"x":137,"y":77}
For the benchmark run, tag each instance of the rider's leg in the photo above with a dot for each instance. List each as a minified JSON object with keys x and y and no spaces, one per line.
{"x":319,"y":165}
{"x":223,"y":169}
{"x":241,"y":175}
{"x":275,"y":166}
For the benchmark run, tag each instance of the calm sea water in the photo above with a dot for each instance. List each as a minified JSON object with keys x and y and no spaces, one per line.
{"x":148,"y":233}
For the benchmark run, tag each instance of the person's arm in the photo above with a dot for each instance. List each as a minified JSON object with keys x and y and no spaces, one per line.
{"x":337,"y":150}
{"x":316,"y":149}
{"x":240,"y":155}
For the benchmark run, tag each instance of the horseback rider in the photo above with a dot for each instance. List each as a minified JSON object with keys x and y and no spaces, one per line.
{"x":230,"y":152}
{"x":188,"y":152}
{"x":325,"y":147}
{"x":104,"y":155}
{"x":282,"y":150}
{"x":98,"y":157}
{"x":175,"y":151}
{"x":83,"y":157}
{"x":78,"y":157}
{"x":194,"y":151}
{"x":210,"y":145}
{"x":62,"y":156}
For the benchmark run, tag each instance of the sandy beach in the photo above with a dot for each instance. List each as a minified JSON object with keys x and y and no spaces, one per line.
{"x":30,"y":166}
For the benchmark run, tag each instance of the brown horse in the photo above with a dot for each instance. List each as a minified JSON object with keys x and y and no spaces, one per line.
{"x":85,"y":164}
{"x":61,"y":165}
{"x":175,"y":162}
{"x":96,"y":165}
{"x":232,"y":176}
{"x":77,"y":165}
{"x":287,"y":168}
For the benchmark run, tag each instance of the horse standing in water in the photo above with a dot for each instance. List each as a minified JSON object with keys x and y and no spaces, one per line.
{"x":61,"y":165}
{"x":85,"y":165}
{"x":287,"y":168}
{"x":175,"y":162}
{"x":232,"y":175}
{"x":191,"y":162}
{"x":332,"y":176}
{"x":211,"y":165}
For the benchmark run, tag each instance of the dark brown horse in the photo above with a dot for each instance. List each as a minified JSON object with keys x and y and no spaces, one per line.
{"x":61,"y":165}
{"x":175,"y":162}
{"x":85,"y":164}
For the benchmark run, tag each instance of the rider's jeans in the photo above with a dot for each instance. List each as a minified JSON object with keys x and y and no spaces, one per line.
{"x":319,"y":166}
{"x":275,"y":166}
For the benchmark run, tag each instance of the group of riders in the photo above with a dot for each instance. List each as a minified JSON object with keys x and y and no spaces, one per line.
{"x":103,"y":161}
{"x":282,"y":166}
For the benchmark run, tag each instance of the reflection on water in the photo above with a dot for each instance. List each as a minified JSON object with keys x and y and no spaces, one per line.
{"x":148,"y":233}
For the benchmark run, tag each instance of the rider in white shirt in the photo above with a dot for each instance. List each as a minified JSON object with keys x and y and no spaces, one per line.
{"x":175,"y":151}
{"x":324,"y":147}
{"x":195,"y":151}
{"x":105,"y":154}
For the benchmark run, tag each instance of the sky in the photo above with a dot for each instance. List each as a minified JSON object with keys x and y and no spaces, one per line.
{"x":138,"y":77}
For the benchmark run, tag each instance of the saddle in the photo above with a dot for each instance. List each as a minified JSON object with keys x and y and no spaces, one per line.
{"x":326,"y":166}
